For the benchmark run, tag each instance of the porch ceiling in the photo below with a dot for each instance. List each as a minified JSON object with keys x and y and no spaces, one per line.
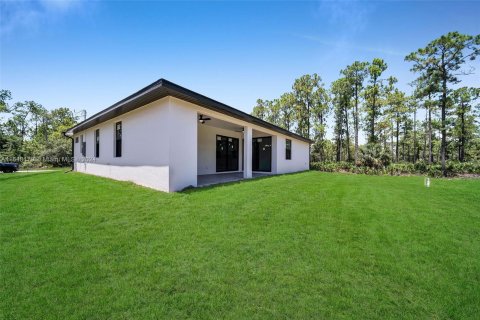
{"x":217,"y":123}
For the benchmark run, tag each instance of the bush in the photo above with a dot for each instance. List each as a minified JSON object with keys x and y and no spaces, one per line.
{"x":463,"y":167}
{"x":434,"y":170}
{"x":420,"y":166}
{"x":373,"y":166}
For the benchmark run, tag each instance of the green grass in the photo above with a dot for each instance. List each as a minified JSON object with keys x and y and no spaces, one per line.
{"x":309,"y":245}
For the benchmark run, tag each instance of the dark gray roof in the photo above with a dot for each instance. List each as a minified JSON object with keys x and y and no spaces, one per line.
{"x":162,"y":88}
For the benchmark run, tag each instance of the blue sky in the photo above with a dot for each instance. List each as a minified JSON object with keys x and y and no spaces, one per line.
{"x":88,"y":55}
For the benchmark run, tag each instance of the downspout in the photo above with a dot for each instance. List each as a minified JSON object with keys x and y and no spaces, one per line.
{"x":73,"y":145}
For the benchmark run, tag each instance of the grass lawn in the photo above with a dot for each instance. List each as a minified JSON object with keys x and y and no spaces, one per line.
{"x":308,"y":245}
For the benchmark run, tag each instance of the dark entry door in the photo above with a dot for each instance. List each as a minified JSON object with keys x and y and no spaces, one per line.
{"x":262,"y":154}
{"x":227,"y":154}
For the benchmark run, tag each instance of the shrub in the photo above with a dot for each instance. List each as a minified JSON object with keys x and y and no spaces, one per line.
{"x":420,"y":166}
{"x":373,"y":166}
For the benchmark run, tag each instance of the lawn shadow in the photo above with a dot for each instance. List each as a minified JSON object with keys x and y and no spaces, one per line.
{"x":22,"y":175}
{"x":191,"y":190}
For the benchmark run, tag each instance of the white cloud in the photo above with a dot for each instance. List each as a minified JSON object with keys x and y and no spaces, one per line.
{"x":348,"y":45}
{"x":341,"y":24}
{"x":350,"y":15}
{"x":30,"y":15}
{"x":62,"y":5}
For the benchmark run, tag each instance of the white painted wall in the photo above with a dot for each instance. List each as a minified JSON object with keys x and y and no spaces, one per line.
{"x":299,"y":161}
{"x":183,"y":145}
{"x":145,"y":147}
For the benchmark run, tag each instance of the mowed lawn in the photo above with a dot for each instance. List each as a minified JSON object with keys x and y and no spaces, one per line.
{"x":308,"y":245}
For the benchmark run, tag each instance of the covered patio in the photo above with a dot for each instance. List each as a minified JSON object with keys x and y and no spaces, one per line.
{"x":228,"y":151}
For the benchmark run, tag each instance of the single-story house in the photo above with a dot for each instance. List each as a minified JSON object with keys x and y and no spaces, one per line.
{"x":167,"y":137}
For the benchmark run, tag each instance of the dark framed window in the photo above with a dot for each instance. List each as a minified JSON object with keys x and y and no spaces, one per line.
{"x":97,"y":143}
{"x":288,"y":149}
{"x":83,"y":146}
{"x":76,"y":139}
{"x":118,"y":139}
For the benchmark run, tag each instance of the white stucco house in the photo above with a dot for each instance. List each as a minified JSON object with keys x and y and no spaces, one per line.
{"x":167,"y":137}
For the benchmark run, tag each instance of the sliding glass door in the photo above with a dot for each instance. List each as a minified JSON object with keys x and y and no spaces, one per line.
{"x":227,"y":154}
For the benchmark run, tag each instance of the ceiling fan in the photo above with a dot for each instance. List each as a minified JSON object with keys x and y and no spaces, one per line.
{"x":202,"y":118}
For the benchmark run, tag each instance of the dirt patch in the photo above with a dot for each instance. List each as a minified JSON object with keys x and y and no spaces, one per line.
{"x":468,"y":175}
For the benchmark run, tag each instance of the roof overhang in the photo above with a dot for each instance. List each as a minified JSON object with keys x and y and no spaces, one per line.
{"x":163,"y":88}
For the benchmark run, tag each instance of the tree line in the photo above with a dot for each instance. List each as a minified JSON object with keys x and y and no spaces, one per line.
{"x":364,"y":99}
{"x":32,"y":135}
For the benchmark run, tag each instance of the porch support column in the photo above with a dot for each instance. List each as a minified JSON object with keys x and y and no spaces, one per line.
{"x":274,"y":154}
{"x":247,"y":152}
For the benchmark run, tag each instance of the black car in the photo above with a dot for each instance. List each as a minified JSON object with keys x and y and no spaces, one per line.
{"x":8,"y":167}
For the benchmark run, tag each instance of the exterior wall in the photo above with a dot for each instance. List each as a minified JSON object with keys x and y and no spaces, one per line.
{"x":183,"y":122}
{"x":300,"y":157}
{"x":207,"y":147}
{"x":145,"y":148}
